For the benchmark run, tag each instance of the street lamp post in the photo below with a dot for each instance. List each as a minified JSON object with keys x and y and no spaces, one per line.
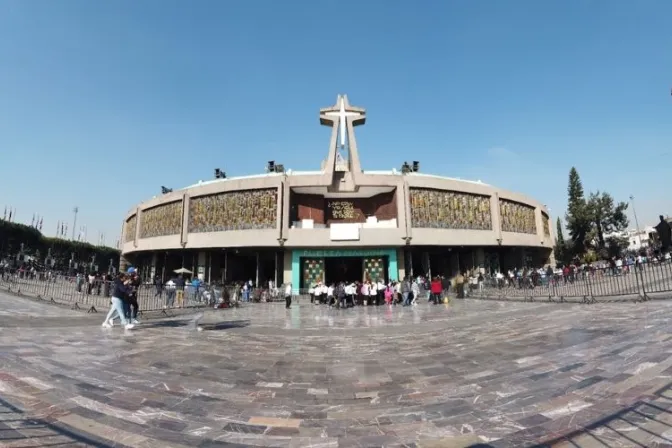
{"x":634,"y":212}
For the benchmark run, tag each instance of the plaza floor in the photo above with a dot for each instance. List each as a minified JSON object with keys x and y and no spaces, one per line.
{"x":475,"y":372}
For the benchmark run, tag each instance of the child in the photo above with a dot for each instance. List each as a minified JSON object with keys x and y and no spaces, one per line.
{"x":389,"y":292}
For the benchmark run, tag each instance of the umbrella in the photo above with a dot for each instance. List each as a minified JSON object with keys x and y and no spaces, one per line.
{"x":182,"y":271}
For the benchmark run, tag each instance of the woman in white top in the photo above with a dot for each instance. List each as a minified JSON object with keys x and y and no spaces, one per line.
{"x":373,"y":293}
{"x":365,"y":293}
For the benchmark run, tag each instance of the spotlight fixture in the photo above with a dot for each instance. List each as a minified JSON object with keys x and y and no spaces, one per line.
{"x":405,"y":168}
{"x":165,"y":190}
{"x":416,"y":166}
{"x":219,"y":174}
{"x":270,"y":166}
{"x":279,"y":168}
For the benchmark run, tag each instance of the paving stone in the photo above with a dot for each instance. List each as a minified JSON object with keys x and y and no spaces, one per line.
{"x":500,"y":374}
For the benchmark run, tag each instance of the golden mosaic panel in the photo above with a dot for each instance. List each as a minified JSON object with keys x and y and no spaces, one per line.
{"x":162,"y":220}
{"x":441,"y":209}
{"x":129,"y":228}
{"x":546,"y":223}
{"x":235,"y":210}
{"x":517,"y":217}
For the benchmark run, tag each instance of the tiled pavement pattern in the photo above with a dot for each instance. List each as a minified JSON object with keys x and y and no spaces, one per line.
{"x":499,"y":374}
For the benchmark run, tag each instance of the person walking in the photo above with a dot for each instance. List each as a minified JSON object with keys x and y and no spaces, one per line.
{"x":120,"y":293}
{"x":133,"y":305}
{"x":288,"y":295}
{"x":406,"y":292}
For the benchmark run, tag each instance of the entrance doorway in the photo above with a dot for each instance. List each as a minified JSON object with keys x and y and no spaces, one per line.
{"x":343,"y":269}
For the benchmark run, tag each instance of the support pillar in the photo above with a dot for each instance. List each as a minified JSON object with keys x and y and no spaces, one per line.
{"x":200,"y":265}
{"x":275,"y":276}
{"x":426,"y":265}
{"x":256,"y":280}
{"x":410,"y":262}
{"x":225,"y":276}
{"x":152,"y":269}
{"x":209,"y":267}
{"x":454,"y":262}
{"x":480,"y":258}
{"x":401,"y":265}
{"x":287,"y":267}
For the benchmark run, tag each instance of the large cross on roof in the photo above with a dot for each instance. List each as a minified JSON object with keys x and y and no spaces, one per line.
{"x":342,"y":118}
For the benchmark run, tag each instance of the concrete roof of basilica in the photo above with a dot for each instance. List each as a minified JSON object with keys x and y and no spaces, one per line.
{"x":313,"y":173}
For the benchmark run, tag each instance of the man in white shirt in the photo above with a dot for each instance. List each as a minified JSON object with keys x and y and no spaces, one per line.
{"x":373,"y":293}
{"x":330,"y":295}
{"x":288,"y":295}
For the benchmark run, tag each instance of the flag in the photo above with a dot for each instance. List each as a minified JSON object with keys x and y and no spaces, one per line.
{"x":58,"y":228}
{"x":41,"y":221}
{"x":32,"y":223}
{"x":4,"y":217}
{"x":10,"y":215}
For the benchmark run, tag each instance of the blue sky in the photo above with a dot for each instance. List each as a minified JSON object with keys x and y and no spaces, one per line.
{"x":101,"y":103}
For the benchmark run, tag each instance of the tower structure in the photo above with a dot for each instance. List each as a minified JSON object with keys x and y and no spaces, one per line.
{"x":342,"y":165}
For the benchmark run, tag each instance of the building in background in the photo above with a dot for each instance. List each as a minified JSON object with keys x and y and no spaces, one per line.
{"x":337,"y":223}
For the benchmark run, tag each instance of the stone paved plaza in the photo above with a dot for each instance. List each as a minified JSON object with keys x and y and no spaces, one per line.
{"x":475,"y":372}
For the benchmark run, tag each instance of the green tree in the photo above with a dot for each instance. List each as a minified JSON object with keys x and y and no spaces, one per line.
{"x":578,"y":217}
{"x":607,"y":217}
{"x":13,"y":235}
{"x":616,"y":246}
{"x":560,"y":238}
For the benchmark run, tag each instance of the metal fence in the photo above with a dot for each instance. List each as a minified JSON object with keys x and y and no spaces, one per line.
{"x":96,"y":296}
{"x":643,"y":281}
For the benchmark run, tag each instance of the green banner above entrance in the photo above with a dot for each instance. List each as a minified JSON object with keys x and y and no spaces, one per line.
{"x":342,"y":253}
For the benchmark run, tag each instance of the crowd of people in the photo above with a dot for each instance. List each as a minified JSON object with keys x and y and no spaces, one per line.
{"x":406,"y":292}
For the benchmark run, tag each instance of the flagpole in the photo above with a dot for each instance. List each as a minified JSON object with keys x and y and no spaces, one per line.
{"x":74,"y":224}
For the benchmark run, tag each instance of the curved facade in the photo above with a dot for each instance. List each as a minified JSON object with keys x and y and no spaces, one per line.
{"x":341,"y":211}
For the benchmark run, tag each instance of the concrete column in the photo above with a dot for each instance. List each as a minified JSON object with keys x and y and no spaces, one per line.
{"x":496,"y":219}
{"x":152,"y":269}
{"x":138,"y":224}
{"x":287,"y":267}
{"x":201,"y":265}
{"x":404,"y":208}
{"x":284,"y":228}
{"x":540,"y":225}
{"x":256,"y":274}
{"x":455,"y":262}
{"x":184,"y":235}
{"x":226,"y":266}
{"x":401,"y":264}
{"x":480,"y":257}
{"x":426,"y":265}
{"x":275,"y":269}
{"x":410,"y":262}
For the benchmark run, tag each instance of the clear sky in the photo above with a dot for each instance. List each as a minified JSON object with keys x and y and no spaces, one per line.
{"x":101,"y":103}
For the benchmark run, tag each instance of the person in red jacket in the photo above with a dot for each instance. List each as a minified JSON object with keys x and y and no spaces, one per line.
{"x":436,"y":289}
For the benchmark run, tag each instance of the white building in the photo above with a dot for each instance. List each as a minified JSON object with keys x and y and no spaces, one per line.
{"x":636,"y":239}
